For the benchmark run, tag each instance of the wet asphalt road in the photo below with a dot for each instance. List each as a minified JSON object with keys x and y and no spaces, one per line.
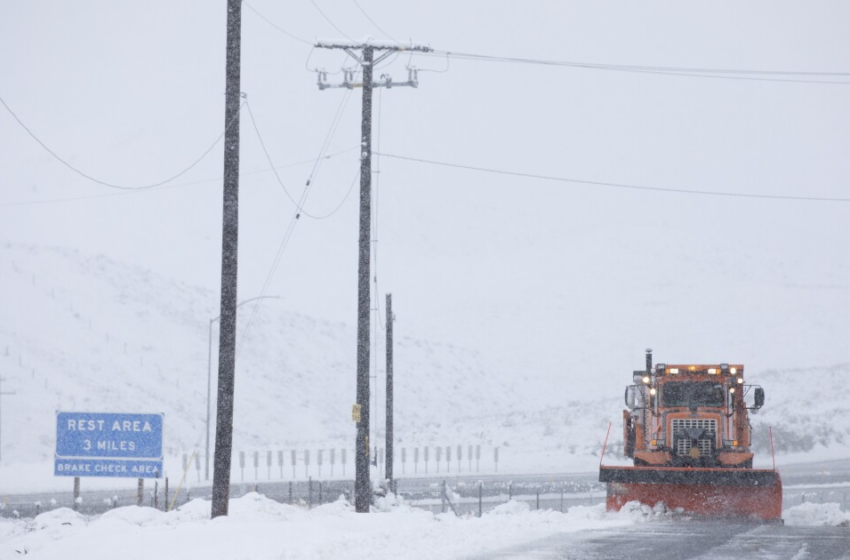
{"x":690,"y":539}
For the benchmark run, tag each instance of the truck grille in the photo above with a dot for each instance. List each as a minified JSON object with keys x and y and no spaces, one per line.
{"x":705,"y":442}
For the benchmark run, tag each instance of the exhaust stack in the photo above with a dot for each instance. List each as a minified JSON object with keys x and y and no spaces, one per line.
{"x":649,"y":361}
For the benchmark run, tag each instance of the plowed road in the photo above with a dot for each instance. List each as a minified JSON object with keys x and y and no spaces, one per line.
{"x":690,"y":539}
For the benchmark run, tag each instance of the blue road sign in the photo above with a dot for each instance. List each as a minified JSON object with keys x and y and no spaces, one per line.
{"x":107,"y":444}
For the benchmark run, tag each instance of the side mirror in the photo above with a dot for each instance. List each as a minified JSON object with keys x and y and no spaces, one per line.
{"x":631,"y":397}
{"x":759,"y":397}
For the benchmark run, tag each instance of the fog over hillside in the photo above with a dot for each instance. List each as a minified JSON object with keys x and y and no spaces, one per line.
{"x":558,"y":282}
{"x":122,"y":338}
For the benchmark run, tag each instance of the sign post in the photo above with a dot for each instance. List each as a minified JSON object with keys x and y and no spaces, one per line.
{"x":108,"y":445}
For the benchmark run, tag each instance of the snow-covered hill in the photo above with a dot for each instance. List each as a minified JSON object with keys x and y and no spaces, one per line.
{"x":120,"y":338}
{"x":807,"y":408}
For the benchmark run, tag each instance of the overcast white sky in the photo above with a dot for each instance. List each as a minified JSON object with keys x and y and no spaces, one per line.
{"x":570,"y":282}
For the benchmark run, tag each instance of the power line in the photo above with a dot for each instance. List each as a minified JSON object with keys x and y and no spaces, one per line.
{"x":307,"y":65}
{"x":329,"y":136}
{"x":716,"y":73}
{"x":282,"y":247}
{"x":341,"y":202}
{"x":378,"y":27}
{"x":375,"y":218}
{"x":270,"y":22}
{"x":299,"y":209}
{"x":112,"y":185}
{"x":275,"y":263}
{"x":641,"y":67}
{"x":334,"y":124}
{"x":444,"y":70}
{"x":327,"y":19}
{"x":166,"y":187}
{"x":615,"y":185}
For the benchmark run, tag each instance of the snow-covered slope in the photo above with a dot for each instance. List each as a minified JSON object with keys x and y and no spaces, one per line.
{"x":120,"y":338}
{"x":807,"y":408}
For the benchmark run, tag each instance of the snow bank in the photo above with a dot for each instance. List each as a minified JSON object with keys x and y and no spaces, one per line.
{"x":259,"y":529}
{"x":811,"y":514}
{"x":511,"y":507}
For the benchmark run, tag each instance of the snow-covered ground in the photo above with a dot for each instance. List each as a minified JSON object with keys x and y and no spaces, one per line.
{"x":258,"y":528}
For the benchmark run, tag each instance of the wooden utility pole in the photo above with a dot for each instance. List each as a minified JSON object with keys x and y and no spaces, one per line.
{"x":389,"y":407}
{"x":229,"y":246}
{"x":367,"y":60}
{"x":363,"y":491}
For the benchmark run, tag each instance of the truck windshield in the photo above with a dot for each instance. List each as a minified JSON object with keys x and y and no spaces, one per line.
{"x":706,"y":393}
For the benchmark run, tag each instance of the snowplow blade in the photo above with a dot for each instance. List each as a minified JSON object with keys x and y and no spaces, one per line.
{"x":746,"y":493}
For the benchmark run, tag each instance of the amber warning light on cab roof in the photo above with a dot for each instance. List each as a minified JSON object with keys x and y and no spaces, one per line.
{"x":689,"y":369}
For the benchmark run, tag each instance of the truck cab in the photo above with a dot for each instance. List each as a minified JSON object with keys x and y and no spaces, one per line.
{"x":688,"y":415}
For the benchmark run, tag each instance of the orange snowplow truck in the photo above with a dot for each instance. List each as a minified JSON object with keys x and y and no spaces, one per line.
{"x":688,"y":433}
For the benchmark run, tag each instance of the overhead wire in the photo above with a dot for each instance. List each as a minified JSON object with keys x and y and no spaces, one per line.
{"x":616,"y":185}
{"x":329,"y":136}
{"x":166,"y":187}
{"x":275,"y":263}
{"x":317,"y":161}
{"x":378,"y":27}
{"x":377,"y":200}
{"x":273,"y":269}
{"x":273,"y":24}
{"x":299,"y":209}
{"x":374,"y":266}
{"x":374,"y":230}
{"x":307,"y":65}
{"x":444,"y":70}
{"x":341,"y":202}
{"x":114,"y":185}
{"x":389,"y":61}
{"x":640,"y":67}
{"x":715,"y":73}
{"x":327,"y":19}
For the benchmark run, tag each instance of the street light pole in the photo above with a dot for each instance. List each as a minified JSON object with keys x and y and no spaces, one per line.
{"x":209,"y":379}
